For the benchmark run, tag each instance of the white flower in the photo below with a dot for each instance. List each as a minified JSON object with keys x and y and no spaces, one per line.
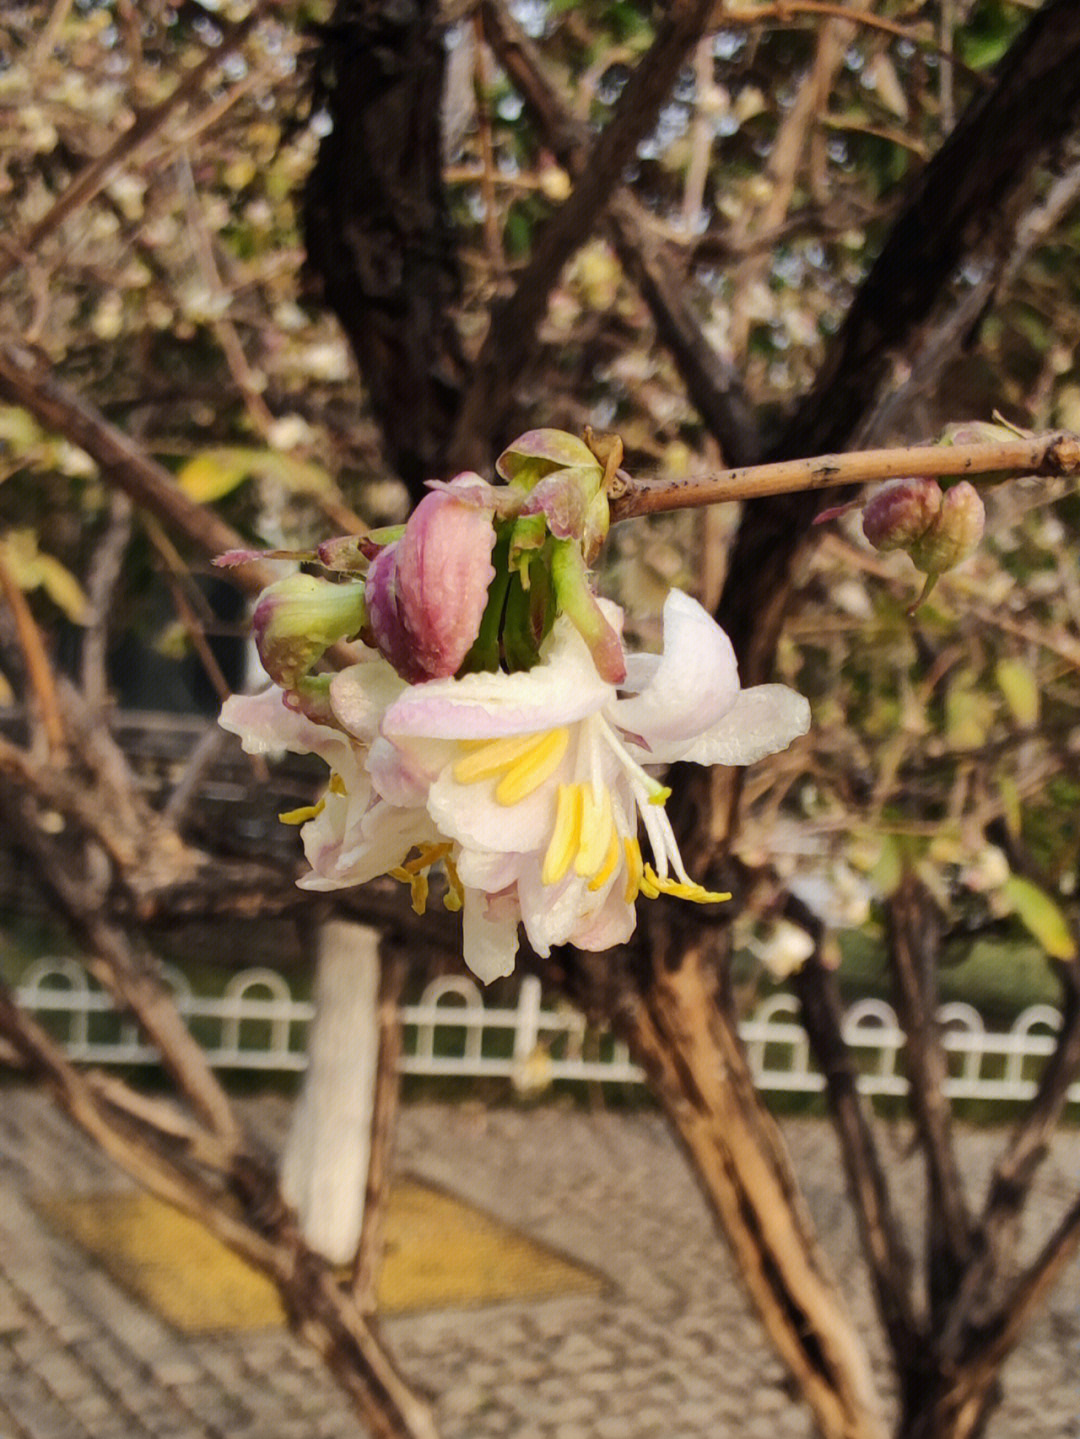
{"x":538,"y":779}
{"x":528,"y":788}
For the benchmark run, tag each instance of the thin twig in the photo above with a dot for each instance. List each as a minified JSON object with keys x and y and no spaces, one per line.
{"x":783,"y":10}
{"x":510,"y":343}
{"x":482,"y":84}
{"x":1055,"y":454}
{"x":712,"y":383}
{"x":38,"y":669}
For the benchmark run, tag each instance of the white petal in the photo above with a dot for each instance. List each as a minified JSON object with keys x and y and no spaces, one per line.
{"x":360,"y":695}
{"x":471,"y":814}
{"x":612,"y":924}
{"x":763,"y":720}
{"x":490,"y":944}
{"x":482,"y":869}
{"x":694,"y":684}
{"x":560,"y":690}
{"x":266,"y":726}
{"x":379,"y":843}
{"x":550,"y":912}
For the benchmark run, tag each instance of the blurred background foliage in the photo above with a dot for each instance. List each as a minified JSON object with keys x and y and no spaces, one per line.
{"x":177,"y":301}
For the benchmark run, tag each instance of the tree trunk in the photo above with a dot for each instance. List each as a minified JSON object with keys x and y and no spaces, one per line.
{"x":324,"y":1168}
{"x":684,"y":1035}
{"x":376,"y":227}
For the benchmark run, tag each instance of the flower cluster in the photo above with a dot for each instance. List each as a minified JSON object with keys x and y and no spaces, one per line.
{"x":528,"y":784}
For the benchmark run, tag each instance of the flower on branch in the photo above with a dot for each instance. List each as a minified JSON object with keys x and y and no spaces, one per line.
{"x":494,"y":727}
{"x":528,"y":789}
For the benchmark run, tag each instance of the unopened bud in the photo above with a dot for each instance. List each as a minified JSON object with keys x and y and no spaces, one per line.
{"x":426,"y":593}
{"x":901,"y":513}
{"x":297,"y":620}
{"x":957,"y":529}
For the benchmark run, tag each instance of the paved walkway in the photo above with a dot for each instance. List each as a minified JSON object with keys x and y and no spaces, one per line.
{"x":669,"y":1351}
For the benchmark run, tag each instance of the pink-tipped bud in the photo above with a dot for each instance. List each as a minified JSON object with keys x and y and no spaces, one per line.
{"x":297,"y":620}
{"x":901,"y":513}
{"x":427,"y":592}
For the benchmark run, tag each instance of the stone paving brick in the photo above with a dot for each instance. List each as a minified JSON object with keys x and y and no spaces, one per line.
{"x":668,"y":1349}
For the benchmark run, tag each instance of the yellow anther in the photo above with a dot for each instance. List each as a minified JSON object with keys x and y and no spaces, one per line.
{"x":536,"y":764}
{"x":566,"y":835}
{"x":492,"y":757}
{"x":337,"y":784}
{"x":607,"y":869}
{"x":597,"y":828}
{"x":660,"y":795}
{"x":303,"y":814}
{"x":419,"y":887}
{"x":679,"y":889}
{"x":634,"y":869}
{"x":454,"y":898}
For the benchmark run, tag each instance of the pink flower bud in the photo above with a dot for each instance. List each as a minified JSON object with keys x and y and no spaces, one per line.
{"x":901,"y":513}
{"x":427,"y":592}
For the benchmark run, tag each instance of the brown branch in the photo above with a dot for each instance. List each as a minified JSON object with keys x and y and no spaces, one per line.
{"x":246,"y":1214}
{"x":914,"y":938}
{"x":511,"y":339}
{"x":686,"y":1039}
{"x":783,"y":10}
{"x":962,"y":203}
{"x":26,"y":380}
{"x":712,"y":384}
{"x":1055,"y":454}
{"x":39,"y":671}
{"x":104,"y":577}
{"x":96,"y":175}
{"x":884,"y":1247}
{"x":129,"y":973}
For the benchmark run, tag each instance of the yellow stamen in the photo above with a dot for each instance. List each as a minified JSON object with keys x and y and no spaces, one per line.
{"x":611,"y":859}
{"x":493,"y":757}
{"x":454,"y":898}
{"x":696,"y":893}
{"x":419,"y":889}
{"x":337,"y":784}
{"x":566,"y":835}
{"x":660,"y":795}
{"x":303,"y":814}
{"x":536,"y":765}
{"x":597,"y":827}
{"x":634,"y":869}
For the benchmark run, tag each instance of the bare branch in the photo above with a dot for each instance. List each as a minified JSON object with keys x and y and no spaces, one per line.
{"x":369,"y":1253}
{"x":711,"y":383}
{"x":104,"y":577}
{"x":38,"y":669}
{"x":914,"y":940}
{"x":1056,"y":454}
{"x":96,"y":175}
{"x":887,"y":1256}
{"x":511,"y":337}
{"x":248,"y":1215}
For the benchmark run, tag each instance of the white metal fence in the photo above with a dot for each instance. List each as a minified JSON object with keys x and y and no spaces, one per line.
{"x":257,"y":1025}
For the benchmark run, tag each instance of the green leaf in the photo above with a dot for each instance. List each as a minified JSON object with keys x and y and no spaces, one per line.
{"x":1040,"y":915}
